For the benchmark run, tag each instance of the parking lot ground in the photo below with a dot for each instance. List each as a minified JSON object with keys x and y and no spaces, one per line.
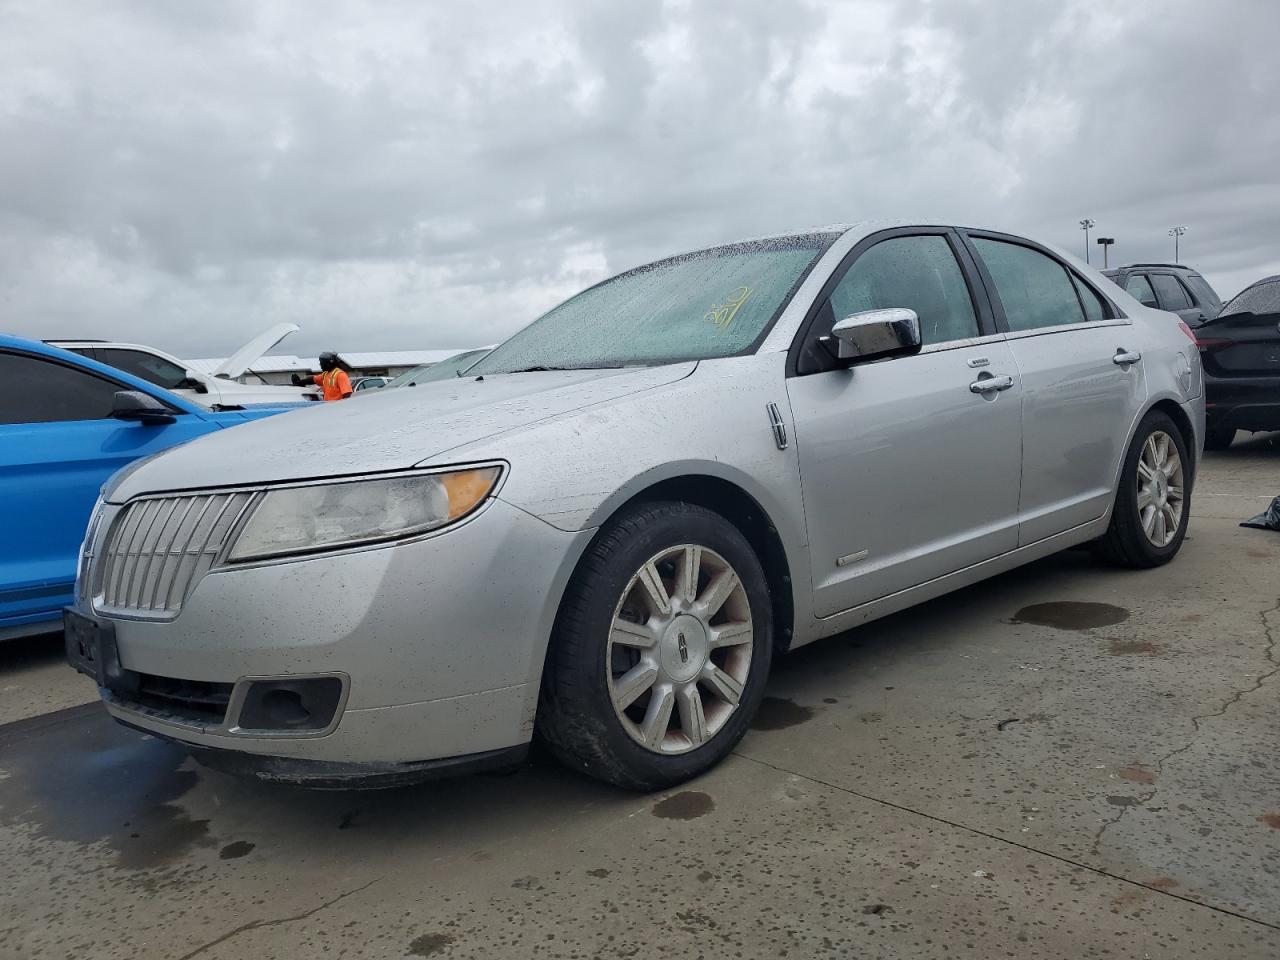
{"x":1066,"y":761}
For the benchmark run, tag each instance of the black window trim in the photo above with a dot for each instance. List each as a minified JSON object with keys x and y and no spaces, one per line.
{"x":13,"y":352}
{"x":1114,"y":313}
{"x":977,"y":292}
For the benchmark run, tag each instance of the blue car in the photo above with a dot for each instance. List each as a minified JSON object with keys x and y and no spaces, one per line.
{"x":66,"y":424}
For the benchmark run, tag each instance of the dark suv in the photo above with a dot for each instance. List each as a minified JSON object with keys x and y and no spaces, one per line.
{"x":1169,"y":286}
{"x":1240,"y":349}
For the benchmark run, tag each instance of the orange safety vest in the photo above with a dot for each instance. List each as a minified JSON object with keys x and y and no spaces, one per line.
{"x":335,"y":384}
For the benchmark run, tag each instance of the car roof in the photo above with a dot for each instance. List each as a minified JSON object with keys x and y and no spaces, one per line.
{"x":1160,"y":266}
{"x":127,"y":380}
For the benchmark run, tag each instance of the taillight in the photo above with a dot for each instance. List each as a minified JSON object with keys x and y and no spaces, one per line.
{"x":1209,"y":344}
{"x":1182,"y":325}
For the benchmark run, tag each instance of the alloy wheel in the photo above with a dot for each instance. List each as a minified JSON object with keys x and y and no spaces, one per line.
{"x":1161,"y":494}
{"x":679,"y":651}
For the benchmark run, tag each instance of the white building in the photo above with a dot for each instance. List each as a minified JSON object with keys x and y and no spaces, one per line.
{"x":279,"y":368}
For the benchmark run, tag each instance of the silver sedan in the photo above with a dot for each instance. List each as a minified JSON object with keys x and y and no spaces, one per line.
{"x":604,"y":534}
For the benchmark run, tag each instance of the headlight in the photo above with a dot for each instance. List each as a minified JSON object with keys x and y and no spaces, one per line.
{"x":326,"y":516}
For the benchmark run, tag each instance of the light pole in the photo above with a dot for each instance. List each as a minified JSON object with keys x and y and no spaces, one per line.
{"x":1085,"y":224}
{"x":1105,"y":243}
{"x":1176,"y":233}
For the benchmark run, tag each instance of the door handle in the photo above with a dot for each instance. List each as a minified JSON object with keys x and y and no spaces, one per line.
{"x":1124,"y":358}
{"x":991,"y":384}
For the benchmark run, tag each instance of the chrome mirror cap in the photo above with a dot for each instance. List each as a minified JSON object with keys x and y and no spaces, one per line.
{"x":876,"y":334}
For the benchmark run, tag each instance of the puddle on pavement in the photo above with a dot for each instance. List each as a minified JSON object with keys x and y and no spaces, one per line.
{"x":430,"y":944}
{"x":1272,"y":820}
{"x":1071,"y":615}
{"x":686,"y":805}
{"x":86,"y":780}
{"x":236,"y":850}
{"x":778,"y":714}
{"x":1122,"y":801}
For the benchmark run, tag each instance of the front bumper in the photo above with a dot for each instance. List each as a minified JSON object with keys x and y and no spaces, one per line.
{"x":439,"y":643}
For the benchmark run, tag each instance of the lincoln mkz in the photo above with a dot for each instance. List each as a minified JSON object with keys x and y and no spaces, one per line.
{"x":607,"y":530}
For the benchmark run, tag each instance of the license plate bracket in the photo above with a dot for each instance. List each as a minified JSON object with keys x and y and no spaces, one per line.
{"x":91,"y":649}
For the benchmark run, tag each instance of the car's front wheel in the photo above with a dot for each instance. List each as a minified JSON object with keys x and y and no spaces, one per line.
{"x":1153,"y":502}
{"x":661,"y":648}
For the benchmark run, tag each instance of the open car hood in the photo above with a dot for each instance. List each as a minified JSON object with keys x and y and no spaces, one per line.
{"x":239,"y":362}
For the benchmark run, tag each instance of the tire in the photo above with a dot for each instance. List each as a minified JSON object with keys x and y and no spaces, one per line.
{"x":1218,"y":438}
{"x":610,"y":627}
{"x":1127,"y":541}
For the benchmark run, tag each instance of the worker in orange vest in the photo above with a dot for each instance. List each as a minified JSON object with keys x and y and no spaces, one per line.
{"x":333,"y":380}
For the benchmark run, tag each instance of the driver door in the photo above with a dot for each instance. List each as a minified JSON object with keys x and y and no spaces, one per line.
{"x":910,"y":466}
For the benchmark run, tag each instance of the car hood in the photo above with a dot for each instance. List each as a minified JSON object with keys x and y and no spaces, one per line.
{"x":239,"y":362}
{"x":392,"y":430}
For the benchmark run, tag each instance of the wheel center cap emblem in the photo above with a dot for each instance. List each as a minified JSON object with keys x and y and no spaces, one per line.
{"x":684,"y":648}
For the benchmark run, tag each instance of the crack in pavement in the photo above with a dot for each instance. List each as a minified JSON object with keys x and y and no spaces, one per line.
{"x":1013,"y":843}
{"x":1269,"y":655}
{"x":255,"y":924}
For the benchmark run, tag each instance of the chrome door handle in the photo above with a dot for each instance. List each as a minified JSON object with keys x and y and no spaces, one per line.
{"x":1124,"y":358}
{"x":991,"y":384}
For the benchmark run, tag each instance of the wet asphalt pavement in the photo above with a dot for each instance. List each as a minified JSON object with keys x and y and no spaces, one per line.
{"x":1065,"y":761}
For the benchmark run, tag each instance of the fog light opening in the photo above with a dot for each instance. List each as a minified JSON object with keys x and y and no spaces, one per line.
{"x":290,"y":704}
{"x":284,"y":708}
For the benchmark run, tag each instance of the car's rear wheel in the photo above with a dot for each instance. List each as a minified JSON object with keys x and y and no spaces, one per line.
{"x":1153,"y":502}
{"x":1218,"y":438}
{"x":661,"y":648}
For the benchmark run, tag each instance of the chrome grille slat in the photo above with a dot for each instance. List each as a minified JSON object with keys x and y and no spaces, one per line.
{"x":157,"y":549}
{"x":184,"y":571}
{"x":168,"y":567}
{"x":147,"y":552}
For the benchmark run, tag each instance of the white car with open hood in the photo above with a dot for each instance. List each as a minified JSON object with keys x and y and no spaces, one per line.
{"x":218,"y":389}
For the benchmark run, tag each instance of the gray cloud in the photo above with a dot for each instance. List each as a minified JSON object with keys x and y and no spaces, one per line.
{"x":405,"y":175}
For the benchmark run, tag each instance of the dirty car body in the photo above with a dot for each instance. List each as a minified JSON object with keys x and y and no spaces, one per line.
{"x":974,"y":412}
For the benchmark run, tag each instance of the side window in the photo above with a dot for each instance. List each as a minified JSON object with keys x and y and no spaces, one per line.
{"x":919,"y":273}
{"x":41,"y":391}
{"x":1093,"y":306}
{"x":1138,"y":288}
{"x":1034,"y":289}
{"x":1169,"y":292}
{"x":1202,"y":292}
{"x":148,"y":366}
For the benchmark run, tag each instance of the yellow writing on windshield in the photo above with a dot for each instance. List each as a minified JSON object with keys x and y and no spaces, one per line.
{"x":722,"y":314}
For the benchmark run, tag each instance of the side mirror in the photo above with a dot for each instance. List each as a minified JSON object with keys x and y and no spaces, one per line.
{"x":192,"y":381}
{"x":877,"y":335}
{"x":136,"y":405}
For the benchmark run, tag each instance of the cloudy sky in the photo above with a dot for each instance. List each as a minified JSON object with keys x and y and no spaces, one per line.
{"x":431,"y":175}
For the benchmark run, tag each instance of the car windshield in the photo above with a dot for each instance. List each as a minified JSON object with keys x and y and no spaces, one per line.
{"x":714,"y":303}
{"x":436,"y":371}
{"x":1263,"y":297}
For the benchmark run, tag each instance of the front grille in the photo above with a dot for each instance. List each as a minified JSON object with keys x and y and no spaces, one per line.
{"x":190,"y":700}
{"x":158,"y":549}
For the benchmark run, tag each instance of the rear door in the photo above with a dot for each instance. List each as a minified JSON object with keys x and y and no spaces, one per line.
{"x":1082,"y":381}
{"x":58,"y":444}
{"x":1175,"y":298}
{"x":909,"y":466}
{"x":1244,"y":339}
{"x":1139,"y":287}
